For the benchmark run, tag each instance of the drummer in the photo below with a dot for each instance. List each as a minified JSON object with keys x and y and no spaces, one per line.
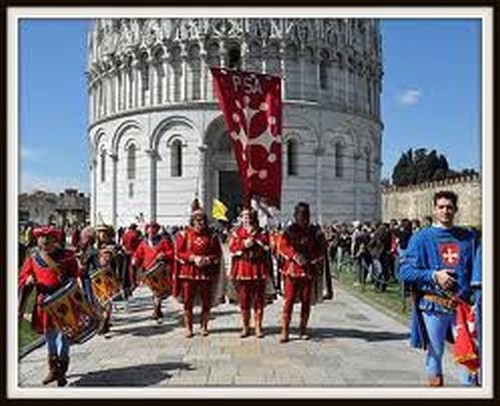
{"x":108,"y":253}
{"x":48,"y":269}
{"x":151,"y":250}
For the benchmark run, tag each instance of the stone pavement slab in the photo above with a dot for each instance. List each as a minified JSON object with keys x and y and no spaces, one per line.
{"x":353,"y":345}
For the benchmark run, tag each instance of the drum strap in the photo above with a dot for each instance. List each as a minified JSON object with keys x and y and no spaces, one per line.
{"x":52,"y":264}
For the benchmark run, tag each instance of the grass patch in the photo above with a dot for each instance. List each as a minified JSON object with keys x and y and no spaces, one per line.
{"x":26,"y":334}
{"x":390,"y":302}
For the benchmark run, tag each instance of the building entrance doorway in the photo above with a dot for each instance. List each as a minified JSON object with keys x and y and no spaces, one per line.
{"x":230,"y":192}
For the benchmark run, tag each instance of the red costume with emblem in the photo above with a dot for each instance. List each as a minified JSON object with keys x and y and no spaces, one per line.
{"x":198,"y":255}
{"x":149,"y":251}
{"x":249,"y":271}
{"x":47,"y":280}
{"x":302,"y":250}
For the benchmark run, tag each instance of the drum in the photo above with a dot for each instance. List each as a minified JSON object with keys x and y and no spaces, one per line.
{"x":157,"y":278}
{"x":71,"y":313}
{"x":105,"y":285}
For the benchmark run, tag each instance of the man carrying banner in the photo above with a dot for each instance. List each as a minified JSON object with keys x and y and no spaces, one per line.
{"x":302,"y":247}
{"x":438,"y":265}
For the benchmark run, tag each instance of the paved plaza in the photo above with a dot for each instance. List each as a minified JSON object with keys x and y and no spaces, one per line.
{"x":352,"y":345}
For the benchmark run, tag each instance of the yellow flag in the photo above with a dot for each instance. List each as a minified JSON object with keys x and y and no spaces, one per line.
{"x":219,"y":210}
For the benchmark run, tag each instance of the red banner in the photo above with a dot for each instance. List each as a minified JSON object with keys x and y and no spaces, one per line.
{"x":466,"y":351}
{"x":251,"y":105}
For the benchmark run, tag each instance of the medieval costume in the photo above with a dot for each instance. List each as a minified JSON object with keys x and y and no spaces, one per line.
{"x":250,"y":269}
{"x":198,"y":269}
{"x":47,"y":270}
{"x":151,"y":251}
{"x":430,"y":250}
{"x":302,"y":247}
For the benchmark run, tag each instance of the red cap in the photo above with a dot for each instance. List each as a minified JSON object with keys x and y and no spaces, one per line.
{"x":47,"y":231}
{"x":153,"y":224}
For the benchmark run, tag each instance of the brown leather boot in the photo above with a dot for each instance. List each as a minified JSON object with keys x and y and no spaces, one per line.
{"x":435,"y":381}
{"x":205,"y":316}
{"x":245,"y":319}
{"x":304,"y":318}
{"x":53,"y":370}
{"x":188,"y":323}
{"x":157,"y":313}
{"x":285,"y":330}
{"x":258,"y":323}
{"x":63,"y":364}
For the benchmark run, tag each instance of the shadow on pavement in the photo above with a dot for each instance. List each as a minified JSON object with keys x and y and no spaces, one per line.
{"x":148,"y":330}
{"x":320,"y":333}
{"x":137,"y":375}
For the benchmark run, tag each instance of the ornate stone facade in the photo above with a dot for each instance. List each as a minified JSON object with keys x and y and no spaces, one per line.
{"x":416,"y":201}
{"x":158,"y":139}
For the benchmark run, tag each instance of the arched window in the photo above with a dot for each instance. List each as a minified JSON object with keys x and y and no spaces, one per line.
{"x":234,"y":61}
{"x":130,"y":190}
{"x":176,"y":159}
{"x":368,"y":164}
{"x":292,"y":157}
{"x":131,"y":162}
{"x":323,"y":75}
{"x":324,"y":67}
{"x":103,"y":165}
{"x":339,"y":164}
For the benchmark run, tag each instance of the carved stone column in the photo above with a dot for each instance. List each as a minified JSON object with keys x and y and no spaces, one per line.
{"x":203,"y":71}
{"x":150,"y":97}
{"x":319,"y":152}
{"x":114,"y":187}
{"x":166,"y":76}
{"x":184,"y":75}
{"x":201,"y":191}
{"x":136,"y":84}
{"x":153,"y":204}
{"x":93,"y":188}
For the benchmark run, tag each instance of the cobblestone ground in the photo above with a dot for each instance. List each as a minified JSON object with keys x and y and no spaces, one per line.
{"x":352,"y":345}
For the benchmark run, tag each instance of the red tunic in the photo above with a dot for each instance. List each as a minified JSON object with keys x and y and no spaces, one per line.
{"x":249,"y":263}
{"x":146,"y":253}
{"x":189,"y":242}
{"x":47,"y":281}
{"x":296,"y":240}
{"x":130,"y":241}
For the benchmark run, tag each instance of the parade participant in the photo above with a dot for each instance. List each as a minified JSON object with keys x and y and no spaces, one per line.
{"x":359,"y":251}
{"x":438,"y":265}
{"x":249,"y":246}
{"x":88,"y":260}
{"x":130,"y":242}
{"x":47,"y":269}
{"x":302,"y":247}
{"x":198,"y":272}
{"x":109,"y":257}
{"x":151,"y":250}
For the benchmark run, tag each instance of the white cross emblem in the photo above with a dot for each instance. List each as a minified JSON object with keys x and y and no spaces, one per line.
{"x":450,"y":256}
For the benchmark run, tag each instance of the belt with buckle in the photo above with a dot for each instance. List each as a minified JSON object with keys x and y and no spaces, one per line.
{"x":449,"y":303}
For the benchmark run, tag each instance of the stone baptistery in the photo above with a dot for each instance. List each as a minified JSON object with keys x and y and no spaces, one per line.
{"x":158,"y":140}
